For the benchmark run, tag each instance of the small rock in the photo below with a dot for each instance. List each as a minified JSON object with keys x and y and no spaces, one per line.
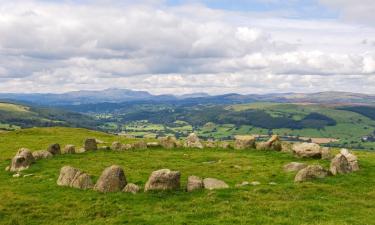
{"x":162,"y":180}
{"x":42,"y":154}
{"x":294,"y":166}
{"x":126,"y":147}
{"x":28,"y":175}
{"x":310,"y":172}
{"x":255,"y":183}
{"x":7,"y":168}
{"x":69,"y":149}
{"x":16,"y":175}
{"x":131,"y":188}
{"x":116,"y":146}
{"x":194,"y":183}
{"x":99,"y":141}
{"x":212,"y":183}
{"x":244,"y":183}
{"x":153,"y":144}
{"x":272,"y":183}
{"x":54,"y":149}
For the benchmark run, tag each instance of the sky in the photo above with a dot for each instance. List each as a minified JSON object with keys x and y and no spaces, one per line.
{"x":179,"y":47}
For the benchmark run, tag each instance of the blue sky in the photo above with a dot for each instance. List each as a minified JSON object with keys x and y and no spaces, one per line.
{"x":170,"y":46}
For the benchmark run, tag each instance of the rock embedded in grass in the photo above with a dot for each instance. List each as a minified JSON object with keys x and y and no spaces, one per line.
{"x":244,"y":142}
{"x":22,"y":160}
{"x":352,"y":159}
{"x":294,"y":167}
{"x":243,"y":184}
{"x":344,"y":162}
{"x":307,"y":150}
{"x":213,"y":183}
{"x":168,"y":142}
{"x":72,"y":177}
{"x":162,"y":180}
{"x":273,"y":143}
{"x":326,"y":153}
{"x":69,"y":149}
{"x":54,"y":149}
{"x":42,"y":154}
{"x":112,"y":179}
{"x":131,"y":188}
{"x":90,"y":144}
{"x":139,"y":145}
{"x":194,"y":183}
{"x":311,"y":172}
{"x":153,"y":144}
{"x":193,"y":141}
{"x":116,"y":146}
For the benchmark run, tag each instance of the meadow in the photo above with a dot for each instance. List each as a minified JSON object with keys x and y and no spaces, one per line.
{"x":345,"y":199}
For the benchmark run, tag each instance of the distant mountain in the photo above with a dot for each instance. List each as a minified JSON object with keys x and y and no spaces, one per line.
{"x":126,"y":96}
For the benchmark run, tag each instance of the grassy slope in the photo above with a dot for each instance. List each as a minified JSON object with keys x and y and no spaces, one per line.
{"x":346,"y":199}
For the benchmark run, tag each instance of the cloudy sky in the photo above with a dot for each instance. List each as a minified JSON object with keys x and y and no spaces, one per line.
{"x":175,"y":46}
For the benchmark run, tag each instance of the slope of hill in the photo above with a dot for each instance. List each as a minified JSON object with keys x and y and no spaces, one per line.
{"x":36,"y":199}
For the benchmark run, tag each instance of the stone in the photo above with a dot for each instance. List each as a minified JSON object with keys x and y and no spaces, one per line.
{"x":54,"y":149}
{"x":212,"y":184}
{"x":352,"y":159}
{"x":192,"y":141}
{"x":272,"y":183}
{"x":168,"y":142}
{"x":7,"y":168}
{"x":273,"y":143}
{"x":22,"y":160}
{"x":294,"y":167}
{"x":307,"y":150}
{"x":339,"y":165}
{"x":255,"y":183}
{"x":153,"y":144}
{"x":72,"y":177}
{"x":90,"y":144}
{"x":286,"y":147}
{"x":16,"y":175}
{"x":112,"y":179}
{"x":126,"y":147}
{"x":326,"y":153}
{"x":139,"y":145}
{"x":243,"y":184}
{"x":162,"y":180}
{"x":69,"y":149}
{"x":98,"y":141}
{"x":262,"y":146}
{"x":210,"y":144}
{"x":194,"y":183}
{"x":131,"y":188}
{"x":244,"y":142}
{"x":42,"y":154}
{"x":310,"y":172}
{"x":116,"y":146}
{"x":224,"y":145}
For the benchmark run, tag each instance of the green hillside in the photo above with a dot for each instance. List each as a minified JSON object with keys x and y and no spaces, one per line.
{"x":344,"y":199}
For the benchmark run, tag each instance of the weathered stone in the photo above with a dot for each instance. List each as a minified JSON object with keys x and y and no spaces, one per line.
{"x":116,"y":146}
{"x":112,"y":179}
{"x":352,"y":159}
{"x":162,"y":180}
{"x":294,"y":167}
{"x":192,"y":141}
{"x":262,"y":146}
{"x":194,"y":183}
{"x":273,"y":143}
{"x":42,"y":154}
{"x":307,"y":150}
{"x":72,"y":177}
{"x":54,"y":149}
{"x":212,"y":183}
{"x":126,"y":147}
{"x":153,"y":144}
{"x":90,"y":144}
{"x":131,"y":188}
{"x":311,"y":172}
{"x":69,"y":149}
{"x":140,"y":145}
{"x":326,"y":153}
{"x":168,"y":142}
{"x":22,"y":160}
{"x":339,"y":165}
{"x":255,"y":183}
{"x":286,"y":147}
{"x":244,"y":142}
{"x":224,"y":145}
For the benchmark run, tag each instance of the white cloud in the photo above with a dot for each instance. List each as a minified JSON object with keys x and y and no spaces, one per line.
{"x":57,"y":47}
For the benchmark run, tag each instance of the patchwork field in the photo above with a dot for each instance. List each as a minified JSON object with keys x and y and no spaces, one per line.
{"x":344,"y":199}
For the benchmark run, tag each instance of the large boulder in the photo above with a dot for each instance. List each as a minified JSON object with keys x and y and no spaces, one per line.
{"x":69,"y":149}
{"x":294,"y":166}
{"x":310,"y":173}
{"x":42,"y":154}
{"x":54,"y":149}
{"x":168,"y":142}
{"x":90,"y":144}
{"x":192,"y":141}
{"x":307,"y":150}
{"x":344,"y":162}
{"x":162,"y":180}
{"x":244,"y":142}
{"x":116,"y":146}
{"x":22,"y":160}
{"x":112,"y":180}
{"x":273,"y":143}
{"x":326,"y":153}
{"x":72,"y":177}
{"x":131,"y":188}
{"x":212,"y":183}
{"x":194,"y":183}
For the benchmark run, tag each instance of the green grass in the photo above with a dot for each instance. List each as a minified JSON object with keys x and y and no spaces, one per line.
{"x":346,"y":199}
